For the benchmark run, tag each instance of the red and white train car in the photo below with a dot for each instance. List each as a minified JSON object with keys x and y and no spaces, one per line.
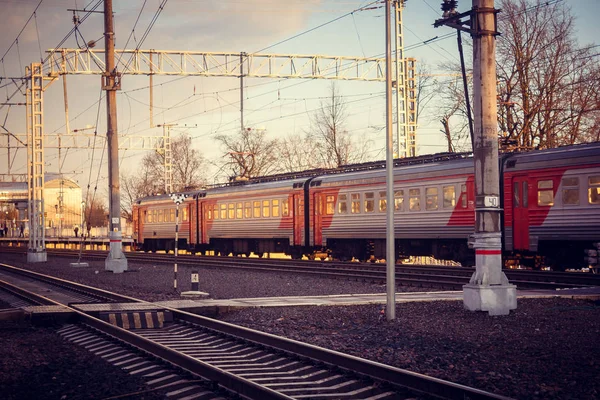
{"x":154,"y":223}
{"x":433,"y":210}
{"x":263,"y":217}
{"x":551,"y":202}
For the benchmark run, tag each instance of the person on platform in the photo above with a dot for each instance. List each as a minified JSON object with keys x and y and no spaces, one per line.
{"x":76,"y":229}
{"x":22,"y":230}
{"x":5,"y":230}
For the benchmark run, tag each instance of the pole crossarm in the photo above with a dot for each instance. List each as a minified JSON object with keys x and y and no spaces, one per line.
{"x":189,"y":63}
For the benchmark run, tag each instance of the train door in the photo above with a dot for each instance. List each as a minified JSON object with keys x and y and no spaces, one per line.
{"x":193,"y":230}
{"x":202,"y":231}
{"x":318,"y":202}
{"x":298,"y":204}
{"x":136,"y":225}
{"x":520,"y":213}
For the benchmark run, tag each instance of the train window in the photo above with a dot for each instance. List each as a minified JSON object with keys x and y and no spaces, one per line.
{"x":449,"y":197}
{"x":256,"y":209}
{"x":414,"y":200}
{"x":545,"y":193}
{"x":329,"y":204}
{"x":285,"y":208}
{"x":209,"y":212}
{"x":369,"y":202}
{"x":215,"y":211}
{"x":247,"y":209}
{"x":382,"y":201}
{"x":148,"y":216}
{"x":594,"y":189}
{"x":231,"y":210}
{"x":342,"y":204}
{"x":223,"y":213}
{"x":266,"y":206}
{"x":172,"y":212}
{"x":154,"y":215}
{"x":431,"y":198}
{"x":570,"y":191}
{"x":516,"y":195}
{"x":161,"y":215}
{"x":463,"y":196}
{"x":355,"y":206}
{"x":185,"y":213}
{"x":525,"y":194}
{"x":239,"y":210}
{"x":275,"y":208}
{"x":399,"y":201}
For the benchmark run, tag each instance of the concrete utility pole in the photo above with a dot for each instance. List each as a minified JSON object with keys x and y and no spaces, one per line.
{"x":111,"y":82}
{"x":389,"y":168}
{"x":488,"y":289}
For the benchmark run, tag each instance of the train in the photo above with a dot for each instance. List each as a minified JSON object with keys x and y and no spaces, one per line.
{"x":550,"y":200}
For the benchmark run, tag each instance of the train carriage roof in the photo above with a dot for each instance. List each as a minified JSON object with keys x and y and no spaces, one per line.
{"x":580,"y":154}
{"x":409,"y":168}
{"x":160,"y":198}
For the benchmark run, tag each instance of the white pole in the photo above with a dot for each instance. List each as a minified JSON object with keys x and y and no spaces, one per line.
{"x":389,"y":166}
{"x":176,"y":250}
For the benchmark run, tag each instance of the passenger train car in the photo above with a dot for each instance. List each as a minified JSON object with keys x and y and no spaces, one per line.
{"x":551,"y":202}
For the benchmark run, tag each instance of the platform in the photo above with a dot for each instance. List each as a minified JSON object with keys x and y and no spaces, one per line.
{"x":94,"y":243}
{"x":218,"y":306}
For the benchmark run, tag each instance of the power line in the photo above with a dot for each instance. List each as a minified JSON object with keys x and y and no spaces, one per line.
{"x":22,"y":29}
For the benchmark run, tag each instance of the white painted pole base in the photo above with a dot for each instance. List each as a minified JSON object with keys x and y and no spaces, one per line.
{"x":495,"y":299}
{"x":37,"y":256}
{"x":116,"y":261}
{"x":488,"y":289}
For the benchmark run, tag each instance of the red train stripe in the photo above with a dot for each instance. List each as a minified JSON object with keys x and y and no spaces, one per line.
{"x":488,"y":252}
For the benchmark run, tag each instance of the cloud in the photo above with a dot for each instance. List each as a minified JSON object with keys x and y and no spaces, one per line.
{"x":226,"y":25}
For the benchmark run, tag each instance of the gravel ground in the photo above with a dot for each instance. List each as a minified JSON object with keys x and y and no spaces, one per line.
{"x":546,"y":349}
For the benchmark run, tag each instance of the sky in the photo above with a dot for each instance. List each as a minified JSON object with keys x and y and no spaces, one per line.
{"x":204,"y":107}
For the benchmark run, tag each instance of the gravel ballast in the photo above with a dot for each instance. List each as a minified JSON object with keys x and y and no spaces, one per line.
{"x":545,"y":349}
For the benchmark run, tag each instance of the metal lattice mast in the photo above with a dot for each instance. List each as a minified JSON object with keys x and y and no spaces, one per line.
{"x":35,"y":169}
{"x":401,"y":138}
{"x":168,"y":157}
{"x":411,"y":105}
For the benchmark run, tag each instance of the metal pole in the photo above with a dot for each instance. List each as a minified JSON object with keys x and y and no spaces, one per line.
{"x":151,"y":93}
{"x":176,"y":249}
{"x":465,"y":86}
{"x":242,"y":91}
{"x":488,"y":289}
{"x":389,"y":166}
{"x":116,"y":261}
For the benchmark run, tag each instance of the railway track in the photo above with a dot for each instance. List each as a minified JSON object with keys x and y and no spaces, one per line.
{"x":426,"y":276}
{"x":191,"y":356}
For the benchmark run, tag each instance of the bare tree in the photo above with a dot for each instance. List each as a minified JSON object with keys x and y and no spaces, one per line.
{"x":453,"y":114}
{"x":187,"y":169}
{"x":334,"y":146}
{"x":296,"y":153}
{"x":548,"y":85}
{"x":96,"y":212}
{"x":250,"y":153}
{"x":134,"y":187}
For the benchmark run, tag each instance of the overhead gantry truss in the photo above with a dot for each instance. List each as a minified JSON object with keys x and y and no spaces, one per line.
{"x":191,"y":63}
{"x":90,"y":141}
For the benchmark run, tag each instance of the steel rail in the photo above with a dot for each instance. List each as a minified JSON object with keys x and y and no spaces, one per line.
{"x":406,"y":275}
{"x":397,"y":377}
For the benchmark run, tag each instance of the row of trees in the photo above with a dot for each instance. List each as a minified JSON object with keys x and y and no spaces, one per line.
{"x":548,"y":84}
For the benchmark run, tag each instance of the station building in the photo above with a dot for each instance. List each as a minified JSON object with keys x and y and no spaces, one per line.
{"x":63,"y":207}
